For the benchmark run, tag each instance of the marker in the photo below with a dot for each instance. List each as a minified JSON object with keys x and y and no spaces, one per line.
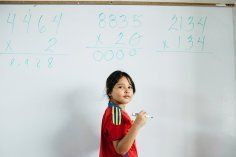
{"x":220,"y":5}
{"x":148,"y":116}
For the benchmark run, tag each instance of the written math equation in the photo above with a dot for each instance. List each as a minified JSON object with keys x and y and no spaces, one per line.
{"x":29,"y":39}
{"x":119,"y":37}
{"x":184,"y":34}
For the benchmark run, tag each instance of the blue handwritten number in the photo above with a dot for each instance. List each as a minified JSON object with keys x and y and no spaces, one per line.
{"x":135,"y":39}
{"x":123,"y":21}
{"x":50,"y":60}
{"x":27,"y":20}
{"x":190,"y":40}
{"x":98,"y":55}
{"x":132,"y":52}
{"x":51,"y":43}
{"x":136,"y":21}
{"x":38,"y":63}
{"x":191,"y":23}
{"x":102,"y":20}
{"x":121,"y":35}
{"x":179,"y":43}
{"x":57,"y":20}
{"x":173,"y":26}
{"x":11,"y":20}
{"x":41,"y":27}
{"x":27,"y":61}
{"x":112,"y":21}
{"x":120,"y":54}
{"x":202,"y":42}
{"x":109,"y":55}
{"x":202,"y":22}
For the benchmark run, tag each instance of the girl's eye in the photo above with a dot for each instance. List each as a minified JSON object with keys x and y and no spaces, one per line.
{"x":130,"y":87}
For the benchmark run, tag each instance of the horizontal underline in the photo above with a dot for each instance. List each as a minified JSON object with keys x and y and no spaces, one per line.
{"x":30,"y":53}
{"x":177,"y":51}
{"x":112,"y":47}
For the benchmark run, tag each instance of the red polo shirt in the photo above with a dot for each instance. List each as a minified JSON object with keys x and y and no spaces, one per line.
{"x":115,"y":125}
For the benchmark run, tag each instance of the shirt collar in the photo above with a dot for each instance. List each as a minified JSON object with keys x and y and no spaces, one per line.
{"x":111,"y":104}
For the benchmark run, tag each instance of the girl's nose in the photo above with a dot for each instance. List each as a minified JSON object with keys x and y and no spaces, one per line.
{"x":127,"y":90}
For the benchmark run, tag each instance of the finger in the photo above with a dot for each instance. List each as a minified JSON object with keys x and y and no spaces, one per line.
{"x":145,"y":115}
{"x":142,"y":112}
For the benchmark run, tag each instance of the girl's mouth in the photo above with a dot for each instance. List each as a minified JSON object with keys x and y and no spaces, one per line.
{"x":126,"y":97}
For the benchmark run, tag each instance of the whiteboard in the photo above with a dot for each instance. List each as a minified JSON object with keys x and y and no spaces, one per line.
{"x":54,"y":61}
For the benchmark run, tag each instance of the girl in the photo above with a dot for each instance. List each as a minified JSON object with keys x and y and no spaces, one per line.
{"x":118,"y":133}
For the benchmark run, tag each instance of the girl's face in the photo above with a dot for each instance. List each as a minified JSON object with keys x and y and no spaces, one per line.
{"x":122,"y":92}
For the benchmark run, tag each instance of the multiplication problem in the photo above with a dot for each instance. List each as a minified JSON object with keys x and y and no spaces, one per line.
{"x":115,"y":40}
{"x":185,"y":34}
{"x":32,"y":34}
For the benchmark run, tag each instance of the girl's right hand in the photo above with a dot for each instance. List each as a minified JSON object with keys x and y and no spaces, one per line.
{"x":140,"y":119}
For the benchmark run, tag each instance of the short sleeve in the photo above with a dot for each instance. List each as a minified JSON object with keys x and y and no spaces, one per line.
{"x":117,"y":127}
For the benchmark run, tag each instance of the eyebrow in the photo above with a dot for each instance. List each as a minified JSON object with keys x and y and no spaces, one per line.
{"x":122,"y":84}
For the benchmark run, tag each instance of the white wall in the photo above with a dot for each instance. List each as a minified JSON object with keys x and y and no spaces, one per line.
{"x":53,"y":72}
{"x":234,"y":18}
